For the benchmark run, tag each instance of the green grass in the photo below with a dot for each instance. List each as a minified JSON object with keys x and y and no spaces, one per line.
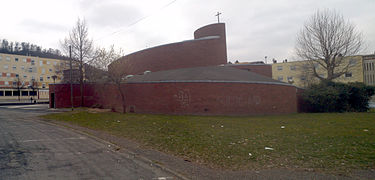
{"x":329,"y":142}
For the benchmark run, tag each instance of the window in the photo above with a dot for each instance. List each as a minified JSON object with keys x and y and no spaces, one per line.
{"x":40,"y":63}
{"x":16,"y":59}
{"x":48,"y":77}
{"x":14,"y":83}
{"x":55,"y":63}
{"x":1,"y":58}
{"x":6,"y":83}
{"x":303,"y":78}
{"x":352,"y":61}
{"x":292,"y":68}
{"x":8,"y":93}
{"x":50,"y":70}
{"x":48,"y":62}
{"x":1,"y":93}
{"x":44,"y":85}
{"x":316,"y":66}
{"x":7,"y":58}
{"x":280,"y":78}
{"x":23,"y":67}
{"x":6,"y":66}
{"x":43,"y":71}
{"x":279,"y":68}
{"x":30,"y":69}
{"x":41,"y":78}
{"x":16,"y":93}
{"x":14,"y":68}
{"x":25,"y":93}
{"x":290,"y":78}
{"x":24,"y":60}
{"x":32,"y":62}
{"x":348,"y":74}
{"x":17,"y":75}
{"x":8,"y":74}
{"x":24,"y":76}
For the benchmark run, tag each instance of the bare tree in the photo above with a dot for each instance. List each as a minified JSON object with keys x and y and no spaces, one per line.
{"x":82,"y":48}
{"x":103,"y":57}
{"x":118,"y":77}
{"x":97,"y":69}
{"x":34,"y":85}
{"x":325,"y":39}
{"x":19,"y":84}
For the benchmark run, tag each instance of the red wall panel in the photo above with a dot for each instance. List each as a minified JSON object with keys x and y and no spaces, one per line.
{"x":186,"y":98}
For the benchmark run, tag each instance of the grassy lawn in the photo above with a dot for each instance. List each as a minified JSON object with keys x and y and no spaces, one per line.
{"x":329,"y":142}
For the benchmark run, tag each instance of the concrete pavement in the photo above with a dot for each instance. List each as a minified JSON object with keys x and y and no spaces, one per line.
{"x":30,"y":149}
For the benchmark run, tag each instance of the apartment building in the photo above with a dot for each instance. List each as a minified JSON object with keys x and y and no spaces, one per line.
{"x":299,"y":73}
{"x":369,"y":69}
{"x":32,"y":75}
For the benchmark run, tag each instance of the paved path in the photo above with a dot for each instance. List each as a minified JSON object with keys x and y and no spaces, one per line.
{"x":30,"y":149}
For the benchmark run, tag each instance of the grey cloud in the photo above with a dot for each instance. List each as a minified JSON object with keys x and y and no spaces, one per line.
{"x":36,"y":26}
{"x":111,"y":15}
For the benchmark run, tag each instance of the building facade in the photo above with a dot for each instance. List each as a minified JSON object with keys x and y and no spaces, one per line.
{"x":369,"y":69}
{"x":27,"y":76}
{"x":299,"y":73}
{"x":188,"y":77}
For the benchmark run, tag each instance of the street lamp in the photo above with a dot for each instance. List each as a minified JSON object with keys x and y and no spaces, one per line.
{"x":54,"y":93}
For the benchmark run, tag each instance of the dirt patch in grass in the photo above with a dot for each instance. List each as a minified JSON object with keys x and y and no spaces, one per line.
{"x":97,"y":110}
{"x":315,"y":142}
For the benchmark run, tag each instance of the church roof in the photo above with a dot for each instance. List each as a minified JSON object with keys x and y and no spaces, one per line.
{"x":204,"y":74}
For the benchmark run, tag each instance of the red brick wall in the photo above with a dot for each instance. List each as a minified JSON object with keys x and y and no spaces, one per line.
{"x":186,"y":98}
{"x":265,"y":70}
{"x":185,"y":54}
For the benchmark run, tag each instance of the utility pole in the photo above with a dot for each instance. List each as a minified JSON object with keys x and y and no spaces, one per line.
{"x":218,"y":17}
{"x":71,"y":78}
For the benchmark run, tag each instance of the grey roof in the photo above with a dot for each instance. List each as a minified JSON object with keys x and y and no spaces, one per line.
{"x":204,"y":74}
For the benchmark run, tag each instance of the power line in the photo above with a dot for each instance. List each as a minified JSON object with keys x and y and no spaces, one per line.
{"x":137,"y":21}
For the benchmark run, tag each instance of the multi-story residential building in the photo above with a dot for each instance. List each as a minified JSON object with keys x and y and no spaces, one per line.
{"x":298,"y":73}
{"x":369,"y":69}
{"x":32,"y":75}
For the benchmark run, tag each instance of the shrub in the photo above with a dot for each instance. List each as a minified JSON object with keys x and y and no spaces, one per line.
{"x":338,"y":97}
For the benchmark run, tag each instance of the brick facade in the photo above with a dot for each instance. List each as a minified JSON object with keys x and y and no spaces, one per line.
{"x":185,"y":98}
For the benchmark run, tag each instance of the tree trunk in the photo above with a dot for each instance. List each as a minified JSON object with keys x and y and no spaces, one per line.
{"x":122,"y":98}
{"x":81,"y":84}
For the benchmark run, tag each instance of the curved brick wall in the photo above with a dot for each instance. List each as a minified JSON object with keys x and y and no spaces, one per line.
{"x":207,"y":49}
{"x":187,"y":98}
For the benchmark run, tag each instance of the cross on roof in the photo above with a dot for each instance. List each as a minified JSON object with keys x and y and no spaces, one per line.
{"x":218,"y":17}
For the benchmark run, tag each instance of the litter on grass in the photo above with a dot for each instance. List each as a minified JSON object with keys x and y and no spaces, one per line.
{"x":268,"y":148}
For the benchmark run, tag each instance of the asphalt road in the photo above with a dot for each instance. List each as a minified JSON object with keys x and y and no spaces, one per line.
{"x":30,"y":149}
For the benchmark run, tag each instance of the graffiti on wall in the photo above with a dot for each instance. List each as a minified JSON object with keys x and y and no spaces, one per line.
{"x":183,"y":97}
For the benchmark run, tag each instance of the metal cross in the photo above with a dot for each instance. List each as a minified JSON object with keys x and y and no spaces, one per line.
{"x":218,"y":17}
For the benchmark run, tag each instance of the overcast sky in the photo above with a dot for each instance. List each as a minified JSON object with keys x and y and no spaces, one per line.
{"x":255,"y":28}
